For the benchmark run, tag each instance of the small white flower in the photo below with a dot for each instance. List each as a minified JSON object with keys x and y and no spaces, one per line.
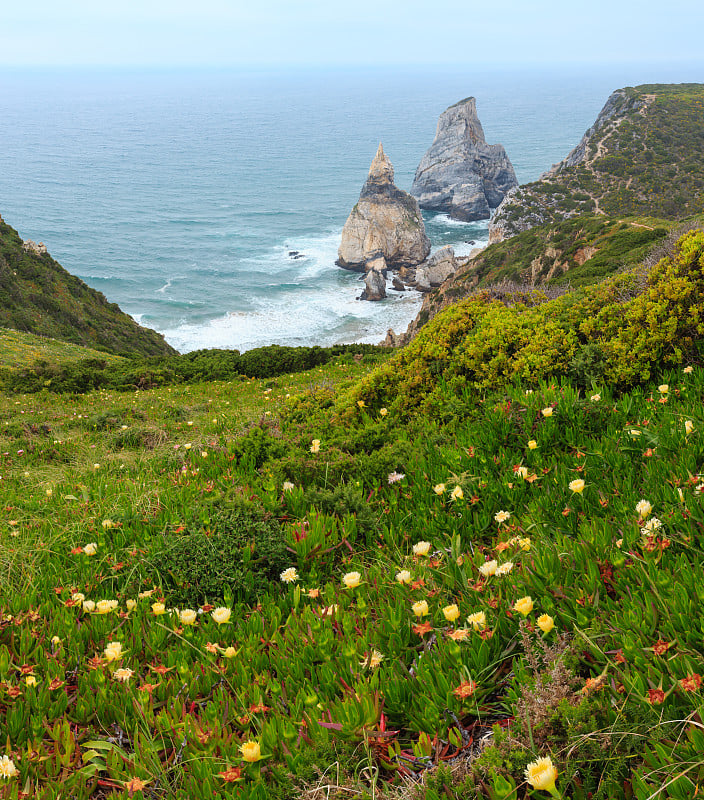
{"x":395,"y":477}
{"x":289,"y":575}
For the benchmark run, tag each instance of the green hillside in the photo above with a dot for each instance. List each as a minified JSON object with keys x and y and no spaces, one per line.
{"x":21,"y":350}
{"x":38,"y":296}
{"x":643,"y":156}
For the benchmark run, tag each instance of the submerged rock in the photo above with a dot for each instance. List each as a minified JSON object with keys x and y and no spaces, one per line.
{"x":461,"y":174}
{"x":386,"y":221}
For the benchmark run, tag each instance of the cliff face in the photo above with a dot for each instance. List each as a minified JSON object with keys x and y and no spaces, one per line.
{"x":386,"y":223}
{"x":38,"y":296}
{"x":461,"y":174}
{"x":642,"y":156}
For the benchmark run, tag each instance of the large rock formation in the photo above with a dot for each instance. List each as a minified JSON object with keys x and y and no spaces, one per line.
{"x":437,"y":269}
{"x":386,"y":223}
{"x":461,"y":174}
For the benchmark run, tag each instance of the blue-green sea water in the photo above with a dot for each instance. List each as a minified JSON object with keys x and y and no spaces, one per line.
{"x":180,"y":195}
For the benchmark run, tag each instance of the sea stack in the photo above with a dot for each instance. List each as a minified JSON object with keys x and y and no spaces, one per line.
{"x":384,"y":230}
{"x":461,"y":174}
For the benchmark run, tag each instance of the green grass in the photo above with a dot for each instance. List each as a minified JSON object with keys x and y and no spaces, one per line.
{"x":18,"y":350}
{"x":589,"y":651}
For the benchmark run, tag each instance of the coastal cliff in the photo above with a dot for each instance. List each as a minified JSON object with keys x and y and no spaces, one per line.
{"x":461,"y":175}
{"x":386,"y":223}
{"x":642,"y":155}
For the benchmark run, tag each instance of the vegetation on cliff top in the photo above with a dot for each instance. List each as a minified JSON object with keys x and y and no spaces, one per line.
{"x":38,"y":296}
{"x":647,"y":158}
{"x":518,"y":564}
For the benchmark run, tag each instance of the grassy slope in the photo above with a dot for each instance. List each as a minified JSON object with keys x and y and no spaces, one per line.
{"x":19,"y":349}
{"x":619,"y":717}
{"x":38,"y":296}
{"x":646,"y":160}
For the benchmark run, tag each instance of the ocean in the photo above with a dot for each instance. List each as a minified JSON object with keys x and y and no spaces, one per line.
{"x":181,"y":195}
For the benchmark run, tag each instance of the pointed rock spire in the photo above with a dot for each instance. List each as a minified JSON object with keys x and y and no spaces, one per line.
{"x":381,"y":169}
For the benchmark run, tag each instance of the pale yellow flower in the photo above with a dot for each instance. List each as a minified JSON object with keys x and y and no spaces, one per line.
{"x":688,"y":426}
{"x":351,"y":579}
{"x":547,"y":412}
{"x":8,"y":768}
{"x":643,"y":507}
{"x":372,"y":661}
{"x":131,"y":604}
{"x":595,"y":398}
{"x":113,"y":651}
{"x":158,"y":609}
{"x":688,"y":370}
{"x":451,"y":612}
{"x":457,"y":493}
{"x":78,"y":597}
{"x":577,"y":486}
{"x":251,"y":751}
{"x":404,"y":576}
{"x":532,"y":445}
{"x":383,"y":411}
{"x":504,"y":569}
{"x":146,"y":593}
{"x":289,"y":575}
{"x":314,"y":448}
{"x":663,"y":388}
{"x":541,"y":774}
{"x":421,"y":548}
{"x":30,"y":680}
{"x":420,"y":609}
{"x":230,"y":652}
{"x":439,"y":488}
{"x":522,"y":472}
{"x":477,"y":620}
{"x":525,"y":543}
{"x":107,"y":524}
{"x":89,"y":606}
{"x":523,"y":605}
{"x":106,"y":606}
{"x":288,"y":486}
{"x":91,"y":548}
{"x":221,"y":615}
{"x":188,"y":616}
{"x":123,"y":674}
{"x":489,"y":568}
{"x":56,"y":640}
{"x":546,"y":623}
{"x":502,"y":516}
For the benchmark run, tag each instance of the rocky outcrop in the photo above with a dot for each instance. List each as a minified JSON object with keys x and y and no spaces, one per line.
{"x":375,"y":282}
{"x":386,"y":222}
{"x":437,"y":269}
{"x":461,"y":174}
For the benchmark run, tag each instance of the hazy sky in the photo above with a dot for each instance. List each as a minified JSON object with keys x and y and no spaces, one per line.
{"x":353,"y":32}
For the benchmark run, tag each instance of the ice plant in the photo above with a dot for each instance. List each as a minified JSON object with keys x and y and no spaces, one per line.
{"x":395,"y":477}
{"x":502,"y":516}
{"x":532,"y":444}
{"x":251,"y":751}
{"x":7,"y":768}
{"x":221,"y":615}
{"x":547,"y":412}
{"x":451,"y":612}
{"x":113,"y":651}
{"x":372,"y":661}
{"x":504,"y":569}
{"x":421,"y":548}
{"x":643,"y":507}
{"x":188,"y":616}
{"x":577,"y":486}
{"x":439,"y":488}
{"x":289,"y":575}
{"x":404,"y":576}
{"x":465,"y":689}
{"x":91,"y":548}
{"x":663,"y":388}
{"x":123,"y":674}
{"x":477,"y":620}
{"x":288,"y":486}
{"x":106,"y":606}
{"x":351,"y":579}
{"x":489,"y":568}
{"x":541,"y":774}
{"x":315,"y":446}
{"x":524,"y":605}
{"x":420,"y":609}
{"x":688,"y":426}
{"x":158,"y":609}
{"x":457,"y":493}
{"x":546,"y":623}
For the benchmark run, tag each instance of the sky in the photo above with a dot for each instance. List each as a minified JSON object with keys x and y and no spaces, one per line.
{"x":271,"y":33}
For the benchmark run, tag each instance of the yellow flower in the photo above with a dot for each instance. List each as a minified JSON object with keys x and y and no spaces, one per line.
{"x":89,"y":606}
{"x":488,"y":568}
{"x":504,"y":569}
{"x":315,"y":446}
{"x":522,"y":472}
{"x":113,"y":651}
{"x":250,"y":751}
{"x":502,"y":516}
{"x":663,"y":388}
{"x":547,"y":412}
{"x":404,"y":576}
{"x":421,"y":548}
{"x":420,"y":609}
{"x":577,"y":486}
{"x":524,"y":605}
{"x":351,"y":579}
{"x":477,"y":620}
{"x":229,"y":652}
{"x":383,"y":411}
{"x":451,"y":612}
{"x":107,"y":524}
{"x":30,"y":680}
{"x":532,"y":445}
{"x":546,"y":623}
{"x":688,"y":426}
{"x":457,"y":493}
{"x":524,"y":543}
{"x":56,"y":640}
{"x":8,"y":768}
{"x":221,"y":615}
{"x":158,"y":609}
{"x":289,"y":575}
{"x":595,"y":398}
{"x":643,"y":507}
{"x":123,"y":674}
{"x":361,"y":403}
{"x":91,"y":548}
{"x":131,"y":604}
{"x":105,"y":606}
{"x":372,"y":661}
{"x":439,"y":488}
{"x":78,"y":597}
{"x":541,"y":774}
{"x":188,"y":616}
{"x":688,"y":370}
